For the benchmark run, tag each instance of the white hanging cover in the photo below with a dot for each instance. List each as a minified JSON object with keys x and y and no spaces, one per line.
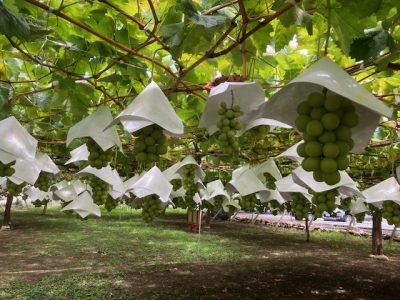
{"x":388,"y":189}
{"x":172,"y":172}
{"x":78,"y":154}
{"x":213,"y":189}
{"x":128,"y":184}
{"x":36,"y":194}
{"x":94,"y":126}
{"x":83,"y":205}
{"x":269,"y":166}
{"x":181,"y":192}
{"x":151,"y":106}
{"x":189,"y":160}
{"x":357,"y":206}
{"x":273,"y":195}
{"x":15,"y":141}
{"x":153,"y":182}
{"x":107,"y":174}
{"x":346,"y":186}
{"x":230,"y":202}
{"x":27,"y":170}
{"x":246,"y":182}
{"x":71,"y":190}
{"x":249,"y":124}
{"x":326,"y":74}
{"x":291,"y":153}
{"x":248,"y":95}
{"x":287,"y":185}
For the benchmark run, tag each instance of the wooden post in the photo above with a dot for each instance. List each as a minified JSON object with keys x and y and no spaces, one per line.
{"x":7,"y":211}
{"x":377,"y":242}
{"x":307,"y":231}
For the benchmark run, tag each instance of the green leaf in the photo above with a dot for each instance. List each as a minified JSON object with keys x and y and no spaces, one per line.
{"x":4,"y":94}
{"x":283,"y":35}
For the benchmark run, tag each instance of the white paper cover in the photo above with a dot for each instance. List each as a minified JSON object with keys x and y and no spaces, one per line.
{"x":291,"y":153}
{"x":269,"y":166}
{"x":388,"y":189}
{"x":172,"y":172}
{"x":287,"y":185}
{"x":325,"y":73}
{"x":108,"y":175}
{"x":35,"y":194}
{"x":249,"y":123}
{"x":213,"y":189}
{"x":189,"y":160}
{"x":153,"y":182}
{"x":71,"y":190}
{"x":346,"y":186}
{"x":151,"y":106}
{"x":245,"y":182}
{"x":248,"y":95}
{"x":78,"y":154}
{"x":83,"y":205}
{"x":94,"y":126}
{"x":357,"y":206}
{"x":15,"y":141}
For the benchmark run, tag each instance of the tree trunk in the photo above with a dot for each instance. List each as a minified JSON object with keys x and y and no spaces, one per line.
{"x":307,"y":231}
{"x":7,"y":212}
{"x":377,"y":242}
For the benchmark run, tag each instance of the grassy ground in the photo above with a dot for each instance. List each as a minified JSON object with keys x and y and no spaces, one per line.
{"x":58,"y":256}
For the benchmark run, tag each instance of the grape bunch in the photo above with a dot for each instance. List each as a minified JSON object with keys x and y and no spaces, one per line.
{"x":179,"y":202}
{"x":150,"y":144}
{"x":261,"y":207}
{"x":218,"y":200}
{"x":151,"y":207}
{"x":324,"y":201}
{"x":248,"y":202}
{"x":300,"y":206}
{"x":110,"y":203}
{"x":99,"y":190}
{"x":44,"y":181}
{"x":270,"y":181}
{"x":97,"y":157}
{"x":228,"y":125}
{"x":6,"y":169}
{"x":326,"y":123}
{"x":13,"y":188}
{"x":391,"y":212}
{"x":39,"y":203}
{"x":176,"y":184}
{"x":275,"y":207}
{"x":360,"y":217}
{"x":345,"y":203}
{"x":188,"y":174}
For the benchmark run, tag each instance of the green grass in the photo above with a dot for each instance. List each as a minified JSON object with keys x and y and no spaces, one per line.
{"x":120,"y":242}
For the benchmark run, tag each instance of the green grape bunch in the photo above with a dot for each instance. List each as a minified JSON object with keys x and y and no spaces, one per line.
{"x":270,"y":181}
{"x":188,"y":174}
{"x":324,"y":201}
{"x":97,"y":157}
{"x":44,"y":181}
{"x":300,"y":206}
{"x":326,"y":122}
{"x":151,"y":207}
{"x":176,"y":184}
{"x":248,"y":202}
{"x":360,"y":217}
{"x":110,"y":203}
{"x":150,"y":143}
{"x":179,"y":202}
{"x":99,"y":190}
{"x":13,"y":188}
{"x":391,"y":212}
{"x":218,"y":200}
{"x":6,"y":170}
{"x":275,"y":206}
{"x":345,"y":203}
{"x":228,"y":126}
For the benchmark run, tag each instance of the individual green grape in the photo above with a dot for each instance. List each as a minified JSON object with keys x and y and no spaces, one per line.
{"x":97,"y":157}
{"x":44,"y":181}
{"x":391,"y":212}
{"x":324,"y":201}
{"x":151,"y":207}
{"x":99,"y":190}
{"x":150,"y":144}
{"x":6,"y":170}
{"x":248,"y":202}
{"x":326,"y":122}
{"x":228,"y":126}
{"x":300,"y":206}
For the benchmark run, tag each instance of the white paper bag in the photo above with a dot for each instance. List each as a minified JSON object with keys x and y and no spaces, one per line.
{"x":151,"y":106}
{"x":388,"y":189}
{"x":326,"y":74}
{"x":15,"y":141}
{"x":287,"y":185}
{"x":245,"y":182}
{"x":248,"y":95}
{"x":291,"y":153}
{"x":83,"y":205}
{"x":78,"y":154}
{"x":94,"y":126}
